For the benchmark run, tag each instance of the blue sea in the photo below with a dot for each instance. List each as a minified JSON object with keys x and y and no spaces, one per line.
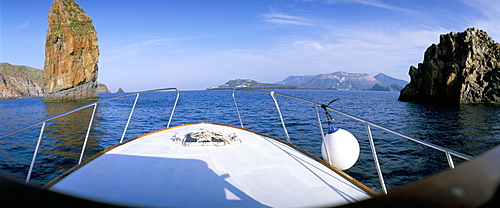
{"x":467,"y":128}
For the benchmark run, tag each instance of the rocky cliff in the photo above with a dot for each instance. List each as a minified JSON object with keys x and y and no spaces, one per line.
{"x":20,"y":81}
{"x":463,"y":68}
{"x":71,"y":54}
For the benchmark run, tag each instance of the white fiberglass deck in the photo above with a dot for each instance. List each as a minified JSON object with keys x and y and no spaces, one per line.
{"x":154,"y":170}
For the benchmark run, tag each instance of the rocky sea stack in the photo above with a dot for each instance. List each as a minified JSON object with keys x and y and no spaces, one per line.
{"x":71,"y":54}
{"x":463,"y":68}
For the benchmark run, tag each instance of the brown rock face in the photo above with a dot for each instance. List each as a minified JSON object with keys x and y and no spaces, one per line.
{"x":71,"y":54}
{"x":462,"y":68}
{"x":19,"y":82}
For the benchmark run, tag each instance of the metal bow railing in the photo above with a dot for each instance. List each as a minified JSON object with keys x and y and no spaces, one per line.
{"x":368,"y":124}
{"x":273,"y":95}
{"x":94,"y":105}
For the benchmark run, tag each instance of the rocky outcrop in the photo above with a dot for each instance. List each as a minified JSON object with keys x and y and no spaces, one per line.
{"x":20,"y":81}
{"x":23,"y":81}
{"x":120,"y":90}
{"x":102,"y":89}
{"x":71,"y":54}
{"x":462,"y":68}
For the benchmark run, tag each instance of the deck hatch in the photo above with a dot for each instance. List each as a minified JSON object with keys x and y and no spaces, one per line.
{"x":207,"y":137}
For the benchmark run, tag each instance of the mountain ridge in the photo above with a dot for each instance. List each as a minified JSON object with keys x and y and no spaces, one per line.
{"x":386,"y":80}
{"x":249,"y":83}
{"x":336,"y":80}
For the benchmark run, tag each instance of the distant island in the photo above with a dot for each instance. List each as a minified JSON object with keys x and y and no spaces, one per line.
{"x":332,"y":81}
{"x":248,"y":83}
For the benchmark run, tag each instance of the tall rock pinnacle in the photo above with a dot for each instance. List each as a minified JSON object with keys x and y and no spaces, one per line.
{"x":71,"y":54}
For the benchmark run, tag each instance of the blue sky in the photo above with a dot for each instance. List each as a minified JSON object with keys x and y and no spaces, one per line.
{"x":195,"y":44}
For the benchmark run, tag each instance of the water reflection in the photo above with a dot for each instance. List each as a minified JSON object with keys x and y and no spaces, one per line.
{"x":63,"y":139}
{"x":467,"y":128}
{"x":16,"y":150}
{"x":480,"y":125}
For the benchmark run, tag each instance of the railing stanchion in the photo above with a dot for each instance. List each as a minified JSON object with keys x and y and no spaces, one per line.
{"x":129,"y":117}
{"x":281,"y":118}
{"x":173,"y":108}
{"x":375,"y":158}
{"x":319,"y":122}
{"x":450,"y":160}
{"x":35,"y":153}
{"x":237,"y":110}
{"x":87,"y":135}
{"x":322,"y":134}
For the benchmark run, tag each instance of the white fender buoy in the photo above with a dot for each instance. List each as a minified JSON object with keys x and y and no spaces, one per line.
{"x":340,"y":148}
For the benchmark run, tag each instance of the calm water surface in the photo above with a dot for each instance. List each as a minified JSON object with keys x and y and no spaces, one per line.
{"x":469,"y":129}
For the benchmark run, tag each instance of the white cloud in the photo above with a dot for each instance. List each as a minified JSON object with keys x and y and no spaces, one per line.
{"x":360,"y":49}
{"x":373,"y":3}
{"x":490,"y":10}
{"x":280,"y":18}
{"x":355,"y":48}
{"x":23,"y":25}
